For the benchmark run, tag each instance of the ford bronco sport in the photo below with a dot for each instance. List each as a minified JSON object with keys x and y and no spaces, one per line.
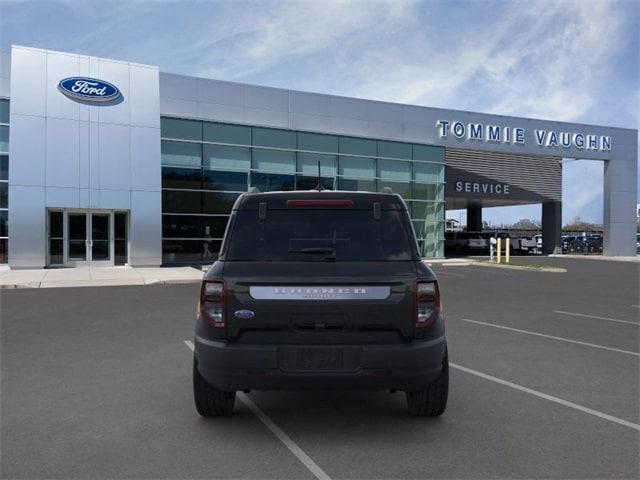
{"x":319,"y":290}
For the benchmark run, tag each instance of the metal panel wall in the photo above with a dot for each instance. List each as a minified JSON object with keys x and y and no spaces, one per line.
{"x":71,"y":154}
{"x":532,"y":178}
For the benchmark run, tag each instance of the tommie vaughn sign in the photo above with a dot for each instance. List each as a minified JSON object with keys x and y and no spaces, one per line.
{"x":479,"y":132}
{"x":88,"y":89}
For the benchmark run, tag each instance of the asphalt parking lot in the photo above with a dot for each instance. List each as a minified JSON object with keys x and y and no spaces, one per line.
{"x":96,"y":383}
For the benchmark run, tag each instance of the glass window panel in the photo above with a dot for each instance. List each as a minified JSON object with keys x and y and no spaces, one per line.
{"x":225,"y":133}
{"x":425,"y":191}
{"x":214,"y":226}
{"x":180,"y":153}
{"x":120,"y":226}
{"x":271,"y":137}
{"x":211,"y":250}
{"x":56,"y":252}
{"x":181,"y":226}
{"x":217,"y":180}
{"x":357,"y":167}
{"x":4,"y":195}
{"x":268,"y":182}
{"x":182,"y":178}
{"x":310,"y":183}
{"x":432,"y":212}
{"x":4,"y":251}
{"x":4,"y":167}
{"x":227,"y":158}
{"x":356,"y":185}
{"x":317,"y":143}
{"x":419,"y":227}
{"x":175,"y":201}
{"x":394,"y":150}
{"x":274,"y":161}
{"x":218,"y":202}
{"x":182,"y":251}
{"x":4,"y":111}
{"x":178,"y":128}
{"x":4,"y":139}
{"x":358,"y":146}
{"x":392,"y":170}
{"x":428,"y":173}
{"x":401,"y":188}
{"x":4,"y":223}
{"x":427,"y":153}
{"x":55,"y":225}
{"x":308,"y":164}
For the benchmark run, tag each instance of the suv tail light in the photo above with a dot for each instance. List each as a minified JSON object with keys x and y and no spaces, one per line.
{"x":427,"y":304}
{"x":212,"y":300}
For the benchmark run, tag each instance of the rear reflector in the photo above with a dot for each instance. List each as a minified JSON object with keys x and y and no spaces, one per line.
{"x":320,"y":203}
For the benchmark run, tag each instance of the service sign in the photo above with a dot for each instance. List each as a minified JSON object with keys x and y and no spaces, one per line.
{"x":88,"y":89}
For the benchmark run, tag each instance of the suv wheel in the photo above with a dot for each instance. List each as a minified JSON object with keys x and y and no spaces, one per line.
{"x":432,"y":401}
{"x":210,"y":402}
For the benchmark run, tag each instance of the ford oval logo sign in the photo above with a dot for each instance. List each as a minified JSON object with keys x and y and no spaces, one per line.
{"x":244,"y":314}
{"x":89,"y":89}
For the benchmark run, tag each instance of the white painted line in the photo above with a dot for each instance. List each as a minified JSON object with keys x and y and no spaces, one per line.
{"x":277,"y":431}
{"x":284,"y":438}
{"x":608,"y":319}
{"x":562,"y":339}
{"x":551,"y":398}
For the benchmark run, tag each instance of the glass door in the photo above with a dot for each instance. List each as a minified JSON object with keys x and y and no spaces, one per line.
{"x":77,"y":239}
{"x":100,"y":242}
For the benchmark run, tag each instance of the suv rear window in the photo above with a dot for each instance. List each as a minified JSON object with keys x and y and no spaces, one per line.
{"x":320,"y":235}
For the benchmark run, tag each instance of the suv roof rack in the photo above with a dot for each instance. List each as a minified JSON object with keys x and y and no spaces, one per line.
{"x":254,"y":190}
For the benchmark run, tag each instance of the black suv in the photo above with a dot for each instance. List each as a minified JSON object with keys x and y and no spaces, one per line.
{"x":319,"y":290}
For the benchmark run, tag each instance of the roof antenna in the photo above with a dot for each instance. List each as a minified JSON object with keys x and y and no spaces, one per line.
{"x":319,"y":187}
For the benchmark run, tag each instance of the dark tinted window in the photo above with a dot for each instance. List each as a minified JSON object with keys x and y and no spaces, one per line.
{"x":217,"y":180}
{"x":4,"y":195}
{"x":312,"y":235}
{"x":4,"y":230}
{"x":181,"y":226}
{"x":181,"y":178}
{"x":268,"y":182}
{"x":176,"y":201}
{"x":310,"y":183}
{"x":218,"y":202}
{"x":4,"y":167}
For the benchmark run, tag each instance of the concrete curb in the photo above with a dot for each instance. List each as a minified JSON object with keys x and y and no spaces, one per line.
{"x":521,"y":267}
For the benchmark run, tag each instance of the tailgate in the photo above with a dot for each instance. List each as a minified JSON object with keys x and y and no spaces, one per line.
{"x":320,"y":303}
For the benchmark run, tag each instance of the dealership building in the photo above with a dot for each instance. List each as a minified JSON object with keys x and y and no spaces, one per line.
{"x":107,"y":162}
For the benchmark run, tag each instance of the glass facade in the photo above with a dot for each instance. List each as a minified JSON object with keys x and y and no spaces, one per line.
{"x":4,"y":180}
{"x":206,"y":166}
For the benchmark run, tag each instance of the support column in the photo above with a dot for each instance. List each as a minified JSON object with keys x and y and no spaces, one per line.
{"x":620,"y":191}
{"x":474,"y":218}
{"x":551,"y":227}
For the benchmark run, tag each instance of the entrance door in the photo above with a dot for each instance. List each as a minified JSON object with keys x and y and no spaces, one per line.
{"x":100,"y":242}
{"x":77,"y":240}
{"x":87,"y":238}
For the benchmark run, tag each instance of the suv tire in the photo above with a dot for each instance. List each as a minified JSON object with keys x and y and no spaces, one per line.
{"x":432,"y":401}
{"x":210,"y":402}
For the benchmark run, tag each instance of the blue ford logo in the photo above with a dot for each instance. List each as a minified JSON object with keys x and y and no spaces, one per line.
{"x":244,"y":314}
{"x":89,"y":89}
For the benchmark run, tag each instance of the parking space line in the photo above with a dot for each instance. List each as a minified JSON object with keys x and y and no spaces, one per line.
{"x":553,"y":337}
{"x":609,"y":319}
{"x":279,"y":433}
{"x":545,"y":396}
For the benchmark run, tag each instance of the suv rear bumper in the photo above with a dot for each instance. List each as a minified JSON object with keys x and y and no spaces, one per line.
{"x":231,"y":367}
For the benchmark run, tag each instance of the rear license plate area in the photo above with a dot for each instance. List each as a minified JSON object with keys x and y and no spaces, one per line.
{"x":318,"y":359}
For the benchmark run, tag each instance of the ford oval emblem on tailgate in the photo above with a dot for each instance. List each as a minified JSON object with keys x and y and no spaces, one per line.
{"x":244,"y":314}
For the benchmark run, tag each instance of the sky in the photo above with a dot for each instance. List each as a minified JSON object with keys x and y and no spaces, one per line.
{"x":558,"y":60}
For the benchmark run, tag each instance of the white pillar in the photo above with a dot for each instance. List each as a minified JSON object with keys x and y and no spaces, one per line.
{"x":620,"y":199}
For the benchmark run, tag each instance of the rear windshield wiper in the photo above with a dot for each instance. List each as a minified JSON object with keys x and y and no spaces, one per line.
{"x":328,"y":251}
